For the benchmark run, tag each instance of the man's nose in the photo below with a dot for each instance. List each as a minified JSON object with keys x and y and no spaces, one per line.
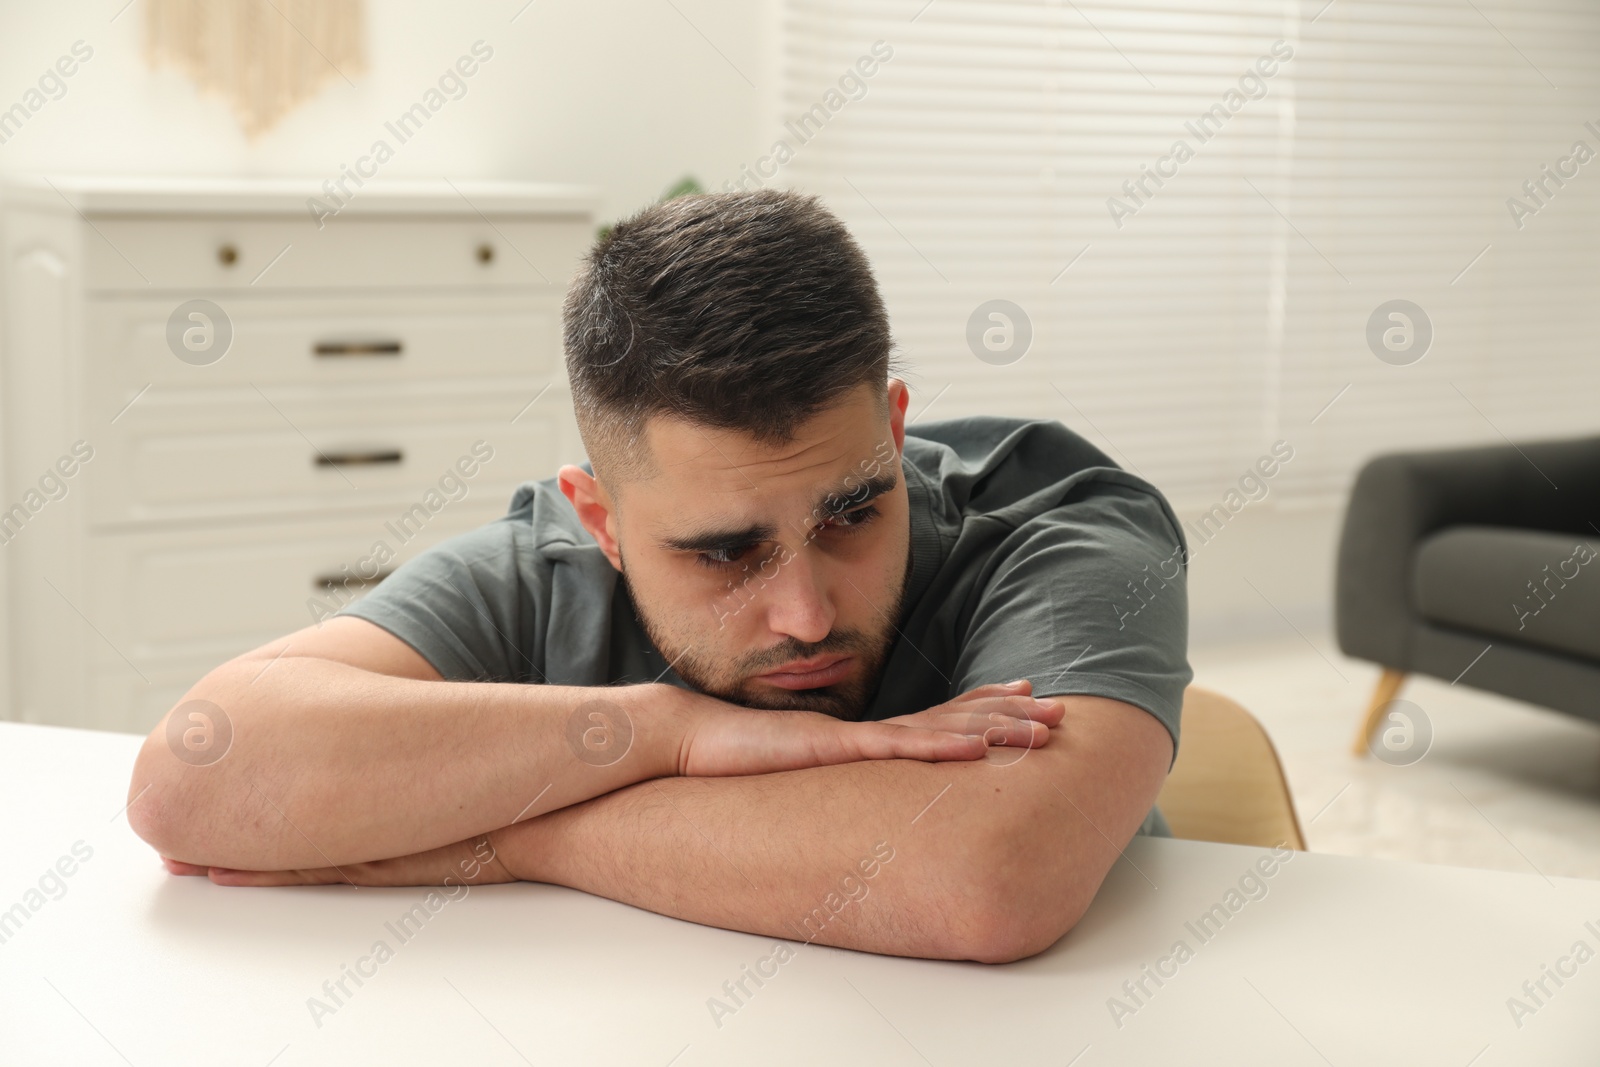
{"x":797,"y":600}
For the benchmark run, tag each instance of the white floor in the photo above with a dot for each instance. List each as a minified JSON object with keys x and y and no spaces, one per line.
{"x":1504,"y":785}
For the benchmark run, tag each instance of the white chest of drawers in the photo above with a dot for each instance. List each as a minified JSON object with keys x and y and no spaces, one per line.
{"x":183,"y":481}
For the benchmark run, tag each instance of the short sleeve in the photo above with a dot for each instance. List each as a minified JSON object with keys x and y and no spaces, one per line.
{"x":1088,"y":598}
{"x":462,"y":605}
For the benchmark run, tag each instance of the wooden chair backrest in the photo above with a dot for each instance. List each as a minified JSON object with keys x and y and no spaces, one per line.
{"x":1227,"y":784}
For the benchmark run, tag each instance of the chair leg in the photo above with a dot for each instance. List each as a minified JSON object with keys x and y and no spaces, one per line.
{"x":1389,"y":684}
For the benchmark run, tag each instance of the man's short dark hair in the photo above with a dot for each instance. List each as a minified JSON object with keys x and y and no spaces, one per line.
{"x":745,"y":311}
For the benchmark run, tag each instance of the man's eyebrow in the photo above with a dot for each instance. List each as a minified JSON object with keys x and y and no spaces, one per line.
{"x":850,"y":494}
{"x":715,"y":540}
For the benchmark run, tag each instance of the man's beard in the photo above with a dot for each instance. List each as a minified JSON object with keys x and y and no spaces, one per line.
{"x":845,"y":700}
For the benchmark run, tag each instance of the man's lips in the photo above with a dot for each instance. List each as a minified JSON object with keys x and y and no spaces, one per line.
{"x":811,"y":673}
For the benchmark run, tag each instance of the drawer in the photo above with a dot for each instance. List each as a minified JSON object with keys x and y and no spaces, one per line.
{"x":312,"y":454}
{"x":320,"y":342}
{"x":204,"y":254}
{"x":205,"y":595}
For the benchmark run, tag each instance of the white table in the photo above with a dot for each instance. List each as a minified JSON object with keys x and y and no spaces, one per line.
{"x":1343,"y":961}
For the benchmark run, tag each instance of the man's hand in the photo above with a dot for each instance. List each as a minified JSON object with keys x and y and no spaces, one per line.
{"x":474,"y":862}
{"x":982,"y":711}
{"x":725,"y":739}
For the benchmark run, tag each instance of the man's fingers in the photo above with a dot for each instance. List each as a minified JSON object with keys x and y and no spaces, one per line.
{"x":1049,"y":711}
{"x":975,"y":716}
{"x":999,"y":729}
{"x":961,"y":740}
{"x":935,"y":746}
{"x":180,"y":867}
{"x":744,"y":743}
{"x":940,"y":745}
{"x":882,"y":740}
{"x":1010,"y":699}
{"x":229,"y":876}
{"x":995,"y":727}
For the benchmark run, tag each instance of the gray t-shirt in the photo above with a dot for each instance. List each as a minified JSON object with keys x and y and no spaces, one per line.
{"x":1033,"y":556}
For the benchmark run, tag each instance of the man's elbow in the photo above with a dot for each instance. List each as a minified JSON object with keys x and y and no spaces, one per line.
{"x":151,"y":815}
{"x":1011,"y":939}
{"x":1009,"y":929}
{"x":170,"y":805}
{"x":176,"y":791}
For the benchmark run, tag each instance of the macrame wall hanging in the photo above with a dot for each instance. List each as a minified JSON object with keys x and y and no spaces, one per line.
{"x":264,"y":56}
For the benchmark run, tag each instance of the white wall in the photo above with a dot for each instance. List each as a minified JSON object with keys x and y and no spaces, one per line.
{"x":1372,"y":156}
{"x":626,"y":95}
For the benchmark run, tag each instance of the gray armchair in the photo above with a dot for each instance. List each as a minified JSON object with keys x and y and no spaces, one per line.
{"x":1480,"y":565}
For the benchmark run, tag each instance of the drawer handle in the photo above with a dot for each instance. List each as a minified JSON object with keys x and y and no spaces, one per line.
{"x":356,"y":459}
{"x":356,"y":348}
{"x":328,"y":582}
{"x":228,"y":255}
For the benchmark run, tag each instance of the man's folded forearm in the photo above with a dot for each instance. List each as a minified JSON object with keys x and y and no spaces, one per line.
{"x":888,"y":856}
{"x":991,"y":860}
{"x":330,"y":764}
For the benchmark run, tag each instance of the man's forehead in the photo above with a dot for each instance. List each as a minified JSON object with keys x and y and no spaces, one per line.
{"x":718,"y":462}
{"x":722,"y":460}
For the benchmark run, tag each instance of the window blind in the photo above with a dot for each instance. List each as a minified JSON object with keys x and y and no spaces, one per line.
{"x":1199,"y":209}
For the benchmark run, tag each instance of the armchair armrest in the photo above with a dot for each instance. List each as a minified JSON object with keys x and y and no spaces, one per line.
{"x":1400,"y":498}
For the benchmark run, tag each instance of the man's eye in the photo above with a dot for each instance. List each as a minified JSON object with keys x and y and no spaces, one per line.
{"x":851,"y":519}
{"x":720,"y":557}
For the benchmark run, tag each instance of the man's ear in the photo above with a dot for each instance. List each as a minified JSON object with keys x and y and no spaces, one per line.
{"x":594,"y":506}
{"x":899,"y":397}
